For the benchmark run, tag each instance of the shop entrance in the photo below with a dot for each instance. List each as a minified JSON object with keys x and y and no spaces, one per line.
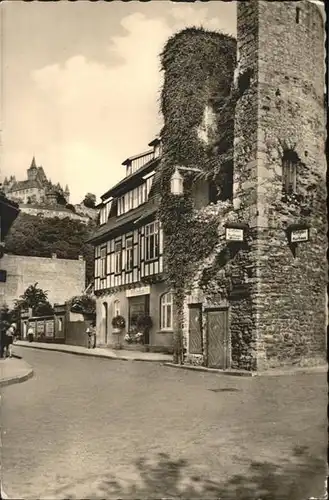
{"x":139,"y":305}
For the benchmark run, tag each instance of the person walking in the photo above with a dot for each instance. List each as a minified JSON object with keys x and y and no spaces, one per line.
{"x":10,"y":334}
{"x":91,"y":336}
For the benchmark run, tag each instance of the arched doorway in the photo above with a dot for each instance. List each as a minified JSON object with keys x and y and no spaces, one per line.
{"x":105,"y":321}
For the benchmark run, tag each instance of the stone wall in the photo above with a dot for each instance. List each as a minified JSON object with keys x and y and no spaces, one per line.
{"x":63,"y":278}
{"x":53,"y":212}
{"x":283,"y":109}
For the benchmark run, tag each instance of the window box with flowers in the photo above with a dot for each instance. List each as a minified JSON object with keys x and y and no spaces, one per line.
{"x":118,"y":324}
{"x":140,"y":325}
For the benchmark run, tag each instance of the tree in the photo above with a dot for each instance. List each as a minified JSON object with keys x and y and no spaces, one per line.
{"x":36,"y":299}
{"x":89,"y":200}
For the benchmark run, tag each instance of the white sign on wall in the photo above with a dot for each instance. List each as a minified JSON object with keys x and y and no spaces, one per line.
{"x":135,"y":292}
{"x":234,"y":234}
{"x":299,"y":235}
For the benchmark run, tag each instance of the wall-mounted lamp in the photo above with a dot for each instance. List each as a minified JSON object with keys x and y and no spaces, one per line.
{"x":177,"y":180}
{"x":298,"y":233}
{"x":236,"y":232}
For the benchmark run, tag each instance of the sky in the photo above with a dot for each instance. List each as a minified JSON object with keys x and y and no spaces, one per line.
{"x":81,"y":83}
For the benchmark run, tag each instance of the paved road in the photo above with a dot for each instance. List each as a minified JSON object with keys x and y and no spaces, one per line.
{"x":82,"y":427}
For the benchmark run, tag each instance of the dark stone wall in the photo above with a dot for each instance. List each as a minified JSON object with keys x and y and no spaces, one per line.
{"x":283,"y":108}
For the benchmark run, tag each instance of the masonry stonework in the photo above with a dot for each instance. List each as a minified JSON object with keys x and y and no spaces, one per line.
{"x":282,"y":109}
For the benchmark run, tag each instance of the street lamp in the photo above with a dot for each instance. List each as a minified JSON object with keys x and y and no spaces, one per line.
{"x":177,"y":180}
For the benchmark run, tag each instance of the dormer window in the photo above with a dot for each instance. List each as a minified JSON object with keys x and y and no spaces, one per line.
{"x":105,"y":212}
{"x":290,"y":162}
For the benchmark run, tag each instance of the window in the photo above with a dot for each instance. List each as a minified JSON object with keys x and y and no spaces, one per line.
{"x":297,"y":15}
{"x":129,"y":200}
{"x":166,"y":311}
{"x":105,"y":212}
{"x":129,"y":254}
{"x":151,"y":241}
{"x":149,"y":183}
{"x":121,"y":205}
{"x":60,"y":324}
{"x":103,"y":262}
{"x":289,"y":172}
{"x":118,"y":257}
{"x":116,"y":308}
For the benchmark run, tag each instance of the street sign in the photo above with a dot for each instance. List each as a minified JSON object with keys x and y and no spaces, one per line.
{"x":298,"y":235}
{"x":233,"y":234}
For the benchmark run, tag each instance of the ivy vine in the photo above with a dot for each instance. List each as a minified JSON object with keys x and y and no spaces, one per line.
{"x":199,"y":67}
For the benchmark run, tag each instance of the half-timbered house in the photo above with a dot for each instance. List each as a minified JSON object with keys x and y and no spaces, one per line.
{"x":128,"y":245}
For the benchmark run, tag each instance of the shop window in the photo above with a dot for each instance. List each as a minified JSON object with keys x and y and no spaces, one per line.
{"x":166,"y":311}
{"x":151,"y":241}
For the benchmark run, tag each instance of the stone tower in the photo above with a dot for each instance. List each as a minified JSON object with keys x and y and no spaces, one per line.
{"x":280,"y":174}
{"x":32,"y":172}
{"x":67,"y":194}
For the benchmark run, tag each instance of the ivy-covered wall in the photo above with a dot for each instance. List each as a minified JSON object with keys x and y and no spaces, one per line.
{"x":198,"y":67}
{"x":198,"y":105}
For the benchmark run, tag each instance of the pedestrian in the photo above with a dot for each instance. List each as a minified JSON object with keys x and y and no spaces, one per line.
{"x":10,"y":334}
{"x":30,"y":334}
{"x":91,"y":336}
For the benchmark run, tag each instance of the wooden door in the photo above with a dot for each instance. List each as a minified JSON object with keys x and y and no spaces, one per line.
{"x":218,"y":339}
{"x":195,"y":329}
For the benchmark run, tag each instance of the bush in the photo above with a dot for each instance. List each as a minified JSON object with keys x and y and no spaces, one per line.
{"x":118,"y":322}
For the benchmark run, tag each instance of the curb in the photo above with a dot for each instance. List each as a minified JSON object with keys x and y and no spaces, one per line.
{"x":16,"y":380}
{"x":244,"y":373}
{"x":234,"y":373}
{"x":91,"y":355}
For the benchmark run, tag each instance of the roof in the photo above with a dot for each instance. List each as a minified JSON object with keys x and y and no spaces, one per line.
{"x":135,"y":157}
{"x":33,"y":164}
{"x":117,"y":224}
{"x":131,"y":179}
{"x":9,"y":211}
{"x":28,"y":184}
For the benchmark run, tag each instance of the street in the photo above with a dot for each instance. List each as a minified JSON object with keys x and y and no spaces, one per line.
{"x":82,"y":428}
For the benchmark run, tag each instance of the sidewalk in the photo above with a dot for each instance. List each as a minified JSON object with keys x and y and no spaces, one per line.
{"x":13,"y":371}
{"x":101,"y":352}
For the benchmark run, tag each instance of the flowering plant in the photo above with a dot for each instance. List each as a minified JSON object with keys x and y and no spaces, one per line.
{"x":139,"y":336}
{"x":128,"y":338}
{"x":118,"y":322}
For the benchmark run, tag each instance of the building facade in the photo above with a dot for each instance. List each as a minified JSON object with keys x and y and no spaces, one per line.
{"x":258,"y":296}
{"x":129,"y":278}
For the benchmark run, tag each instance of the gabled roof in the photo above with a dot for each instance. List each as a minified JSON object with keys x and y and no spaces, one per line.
{"x":127,"y":182}
{"x":135,"y":157}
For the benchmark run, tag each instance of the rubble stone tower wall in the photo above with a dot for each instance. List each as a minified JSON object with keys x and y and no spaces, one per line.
{"x":281,"y":79}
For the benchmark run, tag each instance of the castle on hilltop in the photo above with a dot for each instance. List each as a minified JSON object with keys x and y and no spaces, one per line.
{"x":36,"y":188}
